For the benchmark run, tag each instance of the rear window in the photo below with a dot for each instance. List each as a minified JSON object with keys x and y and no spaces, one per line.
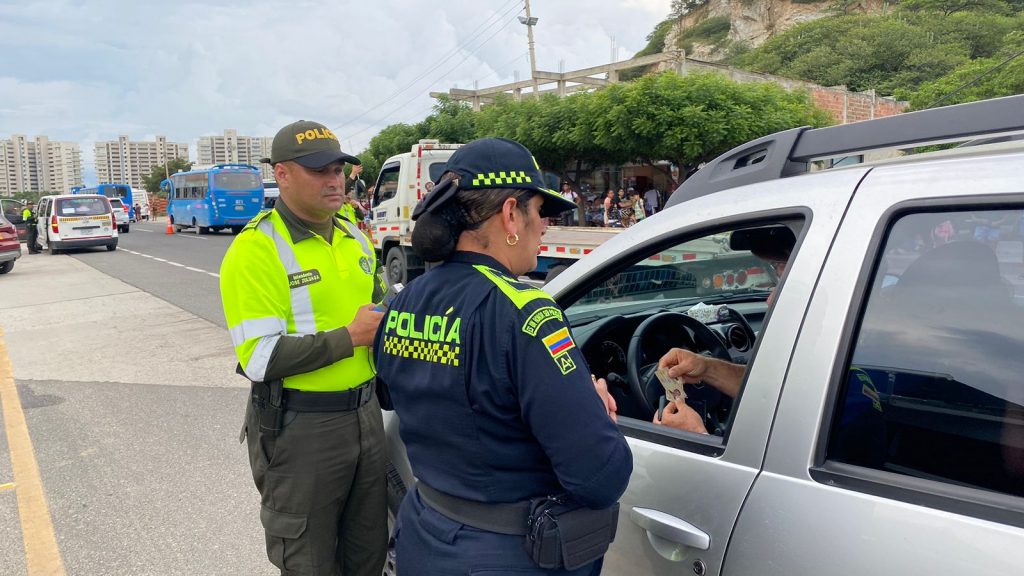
{"x":82,"y":206}
{"x":236,"y":181}
{"x":116,"y":203}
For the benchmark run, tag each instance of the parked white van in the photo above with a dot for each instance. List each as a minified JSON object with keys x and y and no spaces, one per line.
{"x":76,"y":221}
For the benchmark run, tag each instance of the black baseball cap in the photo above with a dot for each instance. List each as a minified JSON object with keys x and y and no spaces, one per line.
{"x":309,"y":144}
{"x":493,"y":163}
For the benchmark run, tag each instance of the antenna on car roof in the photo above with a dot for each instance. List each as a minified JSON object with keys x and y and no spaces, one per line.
{"x":790,"y":152}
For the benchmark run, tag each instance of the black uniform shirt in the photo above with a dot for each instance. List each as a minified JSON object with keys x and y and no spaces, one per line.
{"x":495,"y":401}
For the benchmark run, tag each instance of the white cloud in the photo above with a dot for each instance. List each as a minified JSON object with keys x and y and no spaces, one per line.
{"x":94,"y":69}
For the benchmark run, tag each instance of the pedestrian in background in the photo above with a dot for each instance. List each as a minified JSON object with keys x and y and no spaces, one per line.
{"x":652,"y":200}
{"x":298,"y":287}
{"x":28,"y":215}
{"x":569,"y":216}
{"x":483,"y":371}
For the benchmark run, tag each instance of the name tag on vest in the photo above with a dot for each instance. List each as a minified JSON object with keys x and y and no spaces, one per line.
{"x":304,"y":278}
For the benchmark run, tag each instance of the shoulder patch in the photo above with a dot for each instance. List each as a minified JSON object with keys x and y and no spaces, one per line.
{"x":539,"y":317}
{"x":257,"y":219}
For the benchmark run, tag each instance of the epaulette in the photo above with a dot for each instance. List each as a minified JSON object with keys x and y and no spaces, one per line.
{"x":257,"y":219}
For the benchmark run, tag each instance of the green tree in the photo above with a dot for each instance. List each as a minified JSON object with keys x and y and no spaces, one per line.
{"x":948,"y":7}
{"x":157,"y":175}
{"x":392,"y":140}
{"x":691,"y":120}
{"x":980,"y":79}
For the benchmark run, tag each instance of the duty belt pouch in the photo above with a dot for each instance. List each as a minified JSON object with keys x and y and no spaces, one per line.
{"x":268,"y":402}
{"x":566,"y":535}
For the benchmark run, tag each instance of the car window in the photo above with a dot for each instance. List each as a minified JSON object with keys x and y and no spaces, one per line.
{"x":708,"y":294}
{"x":933,"y":388}
{"x":387,"y":184}
{"x":82,"y":206}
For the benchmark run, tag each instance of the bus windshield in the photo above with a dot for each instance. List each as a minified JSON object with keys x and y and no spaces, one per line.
{"x":236,"y":181}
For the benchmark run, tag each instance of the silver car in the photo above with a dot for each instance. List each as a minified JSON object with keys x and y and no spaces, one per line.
{"x":879,"y":426}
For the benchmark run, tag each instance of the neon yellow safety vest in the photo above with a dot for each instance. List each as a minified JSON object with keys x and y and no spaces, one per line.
{"x":272,"y":288}
{"x":348,"y":212}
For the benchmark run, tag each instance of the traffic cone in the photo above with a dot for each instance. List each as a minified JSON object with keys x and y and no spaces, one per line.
{"x":170,"y":227}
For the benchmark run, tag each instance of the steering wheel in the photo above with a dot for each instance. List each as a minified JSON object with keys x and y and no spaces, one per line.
{"x":656,"y":336}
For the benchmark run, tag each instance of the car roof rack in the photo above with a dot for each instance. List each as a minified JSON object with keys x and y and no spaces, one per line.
{"x":790,"y":152}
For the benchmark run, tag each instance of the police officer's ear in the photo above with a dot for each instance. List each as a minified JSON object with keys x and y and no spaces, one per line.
{"x":512,"y":216}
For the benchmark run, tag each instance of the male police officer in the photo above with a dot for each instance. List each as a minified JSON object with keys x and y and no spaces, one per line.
{"x":297,"y":286}
{"x":28,"y":215}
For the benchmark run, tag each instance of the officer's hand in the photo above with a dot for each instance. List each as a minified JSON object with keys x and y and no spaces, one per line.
{"x":679,"y":415}
{"x":609,"y":402}
{"x":684,"y":365}
{"x":363,"y":327}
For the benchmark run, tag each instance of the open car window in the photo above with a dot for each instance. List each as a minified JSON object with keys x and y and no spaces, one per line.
{"x":708,"y":294}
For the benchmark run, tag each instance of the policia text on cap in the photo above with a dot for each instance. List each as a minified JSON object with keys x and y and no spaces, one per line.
{"x":497,"y":405}
{"x":298,"y":287}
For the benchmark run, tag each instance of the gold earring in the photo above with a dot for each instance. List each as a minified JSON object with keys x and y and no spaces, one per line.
{"x":514,"y":239}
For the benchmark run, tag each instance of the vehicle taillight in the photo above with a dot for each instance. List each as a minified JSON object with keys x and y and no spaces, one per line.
{"x":53,"y":223}
{"x":113,"y":219}
{"x":741,"y":277}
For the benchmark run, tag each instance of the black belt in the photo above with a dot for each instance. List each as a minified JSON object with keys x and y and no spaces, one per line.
{"x":511,"y":519}
{"x":344,"y":401}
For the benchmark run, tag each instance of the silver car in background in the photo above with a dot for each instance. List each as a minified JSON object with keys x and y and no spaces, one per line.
{"x":879,"y":428}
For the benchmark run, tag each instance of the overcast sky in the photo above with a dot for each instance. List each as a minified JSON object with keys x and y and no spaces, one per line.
{"x":88,"y":70}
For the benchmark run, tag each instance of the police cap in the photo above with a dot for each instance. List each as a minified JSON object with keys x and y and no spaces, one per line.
{"x":492,"y":163}
{"x":309,"y":144}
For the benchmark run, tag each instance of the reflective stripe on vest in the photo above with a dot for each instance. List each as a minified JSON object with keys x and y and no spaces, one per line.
{"x":302,"y":303}
{"x":358,"y":235}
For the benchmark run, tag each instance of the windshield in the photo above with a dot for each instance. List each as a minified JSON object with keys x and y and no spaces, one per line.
{"x":89,"y":206}
{"x":236,"y":181}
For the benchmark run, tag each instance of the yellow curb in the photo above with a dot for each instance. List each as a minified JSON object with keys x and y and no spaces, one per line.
{"x":42,"y":557}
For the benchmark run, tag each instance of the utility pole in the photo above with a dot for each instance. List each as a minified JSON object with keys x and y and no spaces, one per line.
{"x":530,"y":21}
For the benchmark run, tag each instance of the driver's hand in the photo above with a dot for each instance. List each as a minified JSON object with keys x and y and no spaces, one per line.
{"x":609,"y":402}
{"x":685,"y":366}
{"x":681,"y":417}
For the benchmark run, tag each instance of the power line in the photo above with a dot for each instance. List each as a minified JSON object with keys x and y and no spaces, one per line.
{"x":450,"y":70}
{"x":976,"y":80}
{"x":495,"y":18}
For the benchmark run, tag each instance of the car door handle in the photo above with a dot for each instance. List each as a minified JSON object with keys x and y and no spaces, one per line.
{"x":670,"y":528}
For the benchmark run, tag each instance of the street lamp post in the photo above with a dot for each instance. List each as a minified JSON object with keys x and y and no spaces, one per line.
{"x":530,"y":22}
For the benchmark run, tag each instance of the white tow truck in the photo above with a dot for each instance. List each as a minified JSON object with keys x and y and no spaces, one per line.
{"x":406,"y":178}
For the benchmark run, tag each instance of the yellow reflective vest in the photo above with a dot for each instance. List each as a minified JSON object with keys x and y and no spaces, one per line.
{"x":273,"y":288}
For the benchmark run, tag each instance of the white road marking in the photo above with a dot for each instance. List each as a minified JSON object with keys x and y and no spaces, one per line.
{"x":143,"y":230}
{"x":192,"y":237}
{"x":175,"y":264}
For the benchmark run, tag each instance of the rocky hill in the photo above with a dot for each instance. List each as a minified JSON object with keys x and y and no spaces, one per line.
{"x":719,"y":28}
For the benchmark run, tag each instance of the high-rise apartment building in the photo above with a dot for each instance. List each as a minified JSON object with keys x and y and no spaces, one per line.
{"x":39,"y":165}
{"x":126,"y":162}
{"x":234,"y":149}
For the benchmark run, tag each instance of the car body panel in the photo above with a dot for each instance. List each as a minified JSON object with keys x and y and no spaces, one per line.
{"x":678,"y":482}
{"x":10,"y":245}
{"x":857,"y":532}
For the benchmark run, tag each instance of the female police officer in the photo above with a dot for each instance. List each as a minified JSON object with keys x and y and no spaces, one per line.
{"x":496,"y":403}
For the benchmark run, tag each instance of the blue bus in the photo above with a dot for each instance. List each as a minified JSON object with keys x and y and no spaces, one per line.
{"x":212,"y":199}
{"x":122,"y":191}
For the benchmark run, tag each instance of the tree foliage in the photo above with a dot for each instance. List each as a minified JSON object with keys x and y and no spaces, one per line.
{"x":687,"y":120}
{"x":924,"y":41}
{"x":157,"y":175}
{"x":978,"y":79}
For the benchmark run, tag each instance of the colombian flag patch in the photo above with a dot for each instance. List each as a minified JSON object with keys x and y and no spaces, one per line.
{"x":559,"y":341}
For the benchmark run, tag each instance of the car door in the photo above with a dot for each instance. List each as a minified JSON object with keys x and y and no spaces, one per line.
{"x":43,"y":221}
{"x":898,"y":447}
{"x":687,"y":490}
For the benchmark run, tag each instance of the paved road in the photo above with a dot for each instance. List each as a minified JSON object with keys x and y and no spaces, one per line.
{"x":122,"y":394}
{"x":180,"y":268}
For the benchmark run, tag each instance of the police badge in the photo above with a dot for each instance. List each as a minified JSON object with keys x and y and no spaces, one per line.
{"x":364,"y":263}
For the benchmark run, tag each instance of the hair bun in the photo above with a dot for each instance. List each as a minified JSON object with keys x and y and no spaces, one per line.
{"x":434,"y":237}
